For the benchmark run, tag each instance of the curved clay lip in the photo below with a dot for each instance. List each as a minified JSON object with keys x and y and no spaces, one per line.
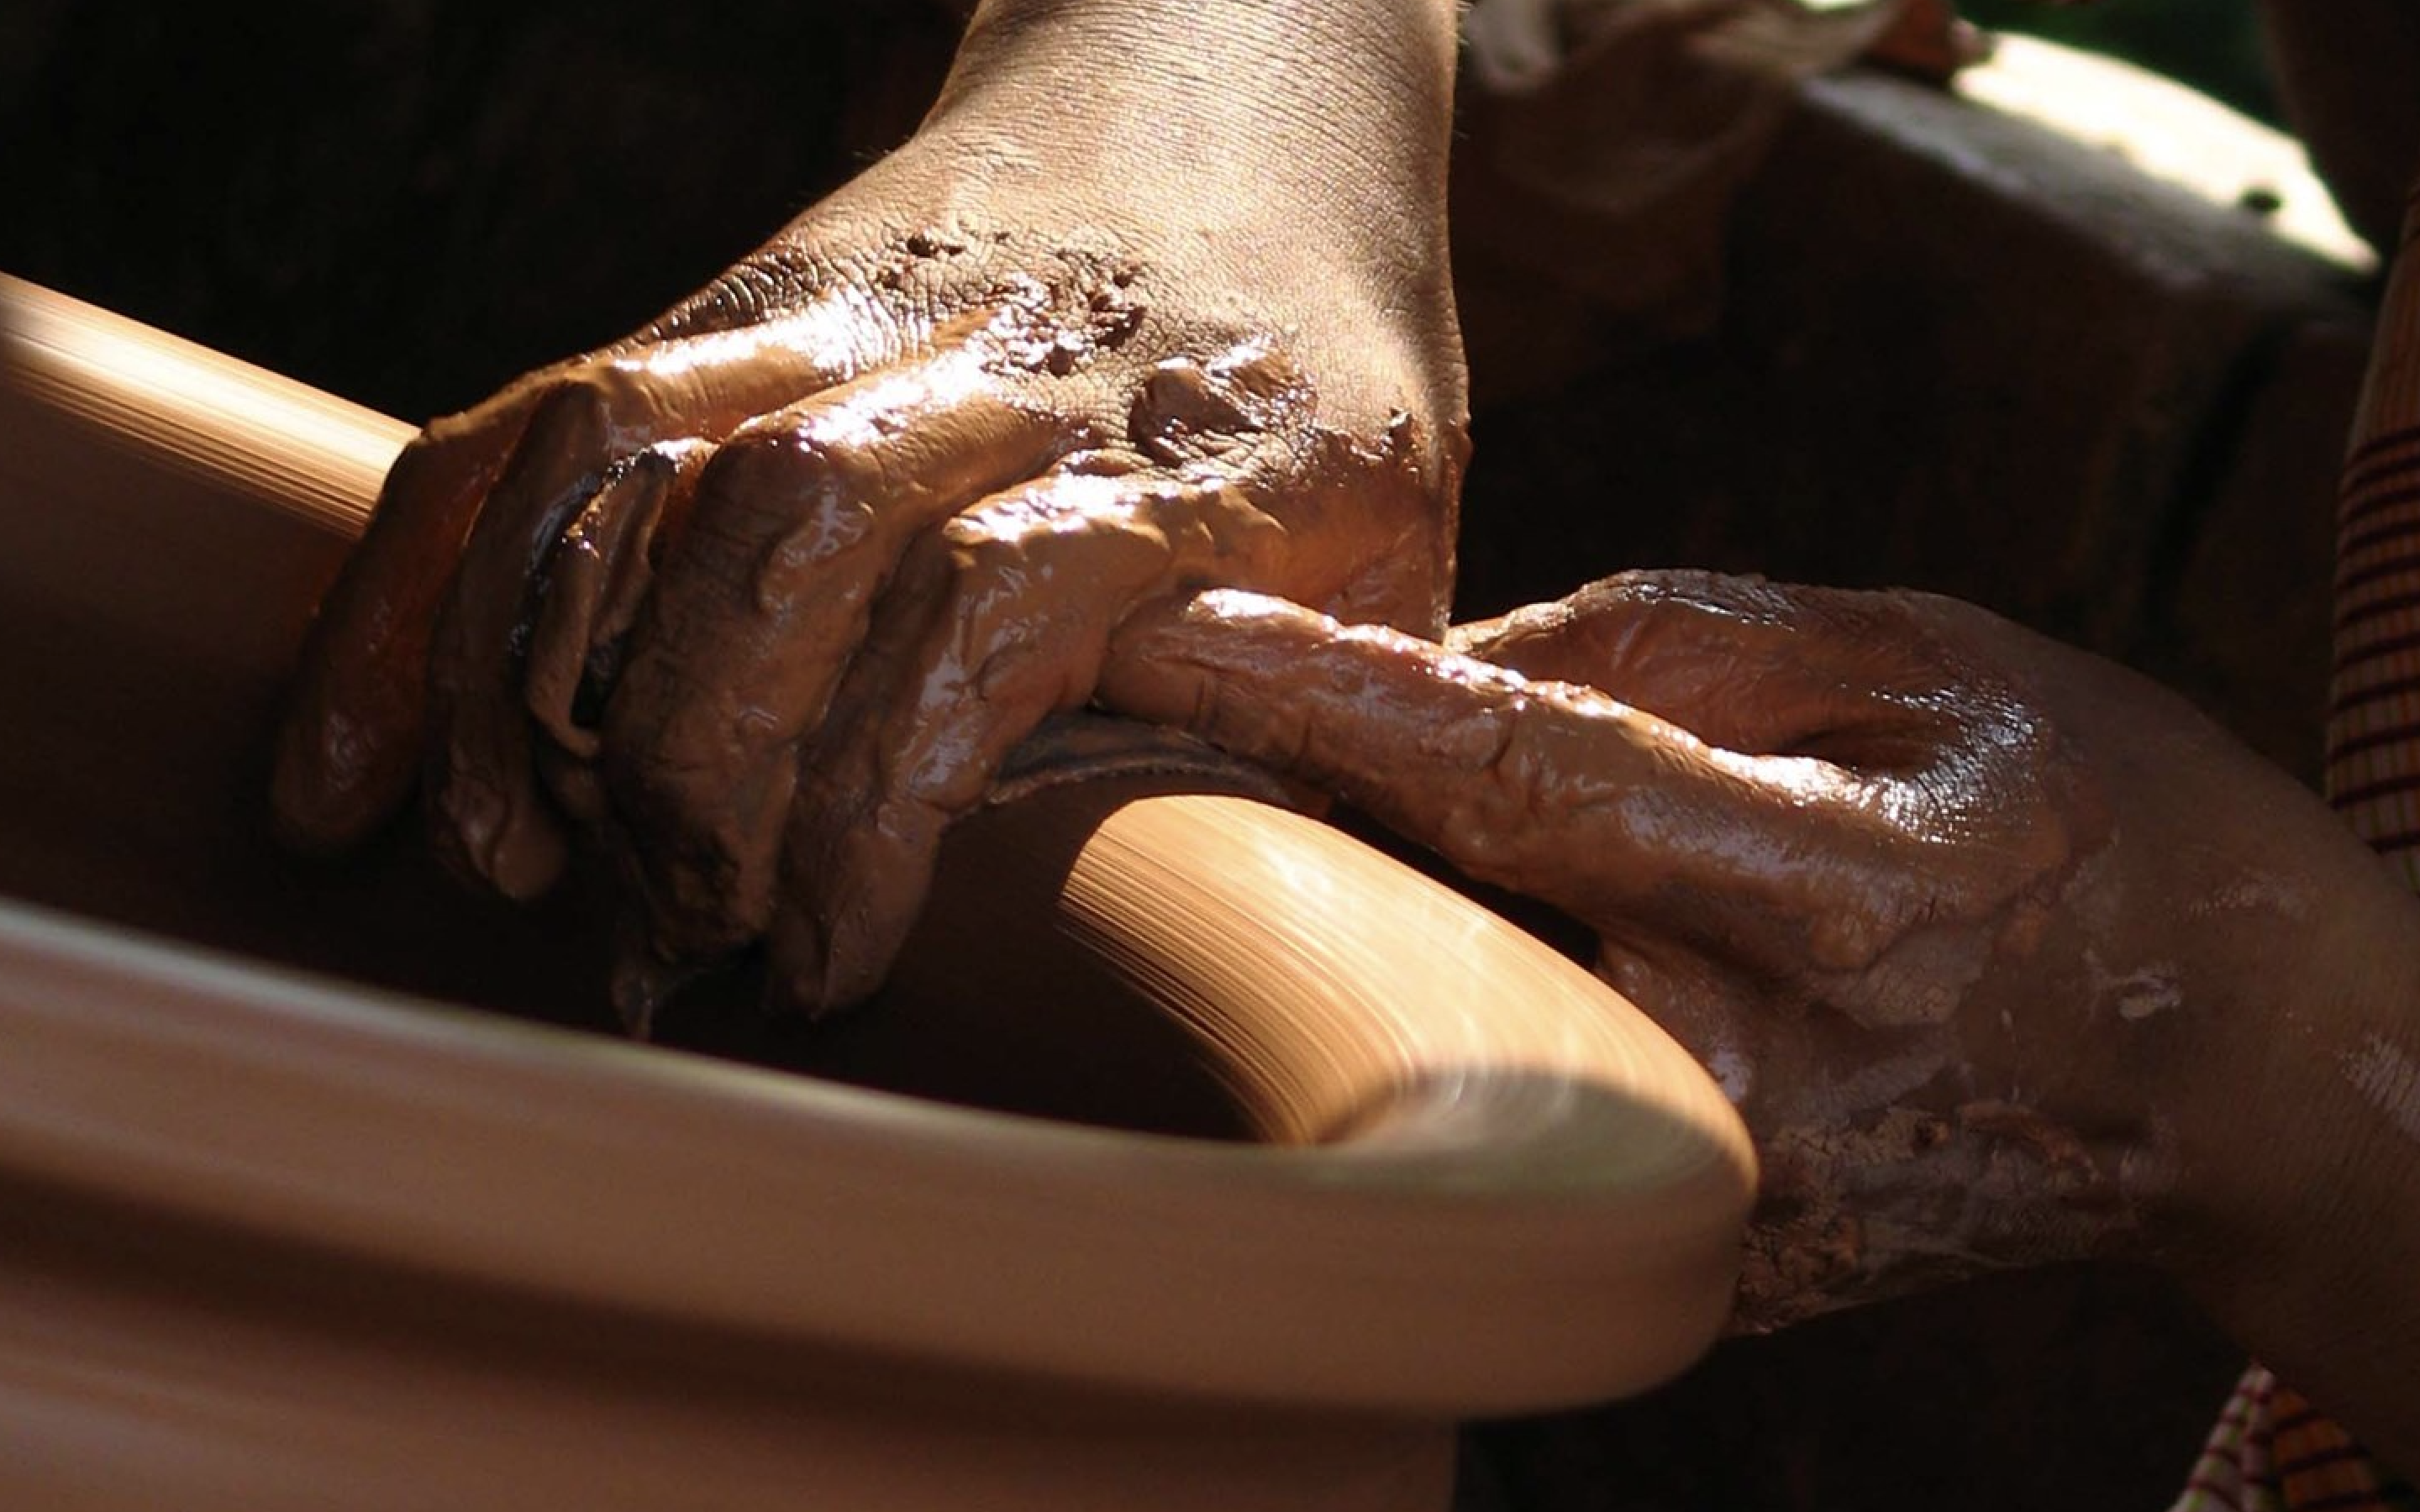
{"x":1536,"y":1201}
{"x":1482,"y":1246}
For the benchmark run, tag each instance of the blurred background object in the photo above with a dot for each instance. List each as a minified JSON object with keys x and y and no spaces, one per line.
{"x":2214,"y":45}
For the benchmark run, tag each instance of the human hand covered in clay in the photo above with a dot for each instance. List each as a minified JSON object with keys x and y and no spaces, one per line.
{"x":1989,"y":939}
{"x":1157,"y":297}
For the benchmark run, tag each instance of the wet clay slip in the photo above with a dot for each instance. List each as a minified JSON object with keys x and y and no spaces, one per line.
{"x":284,"y":1230}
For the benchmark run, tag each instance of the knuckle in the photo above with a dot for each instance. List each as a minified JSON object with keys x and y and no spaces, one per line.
{"x":775,"y":490}
{"x":1041,"y":518}
{"x":753,"y":289}
{"x":582,"y":404}
{"x":1494,"y":822}
{"x":757,"y":458}
{"x":981,"y":565}
{"x":1188,"y":408}
{"x":985,"y":539}
{"x":819,"y":457}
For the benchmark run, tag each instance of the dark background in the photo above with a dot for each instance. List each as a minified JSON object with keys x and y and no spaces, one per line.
{"x":407,"y":202}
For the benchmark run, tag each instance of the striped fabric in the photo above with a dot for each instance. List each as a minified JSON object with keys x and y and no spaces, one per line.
{"x":2373,"y":773}
{"x":2275,"y":1452}
{"x":2272,"y":1450}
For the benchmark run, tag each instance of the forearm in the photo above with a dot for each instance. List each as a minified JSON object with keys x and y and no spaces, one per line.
{"x":1312,"y":78}
{"x":1294,"y":151}
{"x":2300,"y":1224}
{"x":1341,"y":110}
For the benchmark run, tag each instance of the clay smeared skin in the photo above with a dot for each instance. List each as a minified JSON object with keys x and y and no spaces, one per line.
{"x":474,"y":496}
{"x":1531,"y":776}
{"x":1157,"y":299}
{"x":1978,"y":932}
{"x":348,"y":750}
{"x":594,"y":586}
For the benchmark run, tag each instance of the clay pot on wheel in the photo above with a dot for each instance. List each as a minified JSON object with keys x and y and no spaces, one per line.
{"x":282,"y":1238}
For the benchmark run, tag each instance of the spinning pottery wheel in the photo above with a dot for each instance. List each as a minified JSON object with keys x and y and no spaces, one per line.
{"x":282,"y":1238}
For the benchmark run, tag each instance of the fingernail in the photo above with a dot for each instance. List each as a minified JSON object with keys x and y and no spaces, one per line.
{"x":528,"y":858}
{"x":465,"y":811}
{"x":850,"y":970}
{"x":795,"y":966}
{"x":641,"y":983}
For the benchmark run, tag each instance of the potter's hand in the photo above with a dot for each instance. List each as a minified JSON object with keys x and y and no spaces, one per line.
{"x":1157,"y":297}
{"x":1986,"y":937}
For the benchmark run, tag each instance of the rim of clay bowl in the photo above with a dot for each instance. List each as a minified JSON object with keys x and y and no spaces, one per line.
{"x":1537,"y":1202}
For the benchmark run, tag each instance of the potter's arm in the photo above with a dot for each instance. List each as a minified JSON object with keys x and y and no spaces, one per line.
{"x":2305,"y":1239}
{"x":1333,"y":119}
{"x":2007,"y":955}
{"x":2317,"y":1271}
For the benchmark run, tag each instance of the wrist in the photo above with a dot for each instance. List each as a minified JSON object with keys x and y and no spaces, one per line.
{"x":1288,"y":159}
{"x":2292,"y":1101}
{"x":1388,"y":54}
{"x":1347,"y":103}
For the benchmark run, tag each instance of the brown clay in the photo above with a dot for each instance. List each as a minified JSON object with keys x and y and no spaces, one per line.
{"x":393,"y":1252}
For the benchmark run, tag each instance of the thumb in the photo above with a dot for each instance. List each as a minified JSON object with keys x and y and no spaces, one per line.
{"x":1738,"y":661}
{"x":1554,"y":789}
